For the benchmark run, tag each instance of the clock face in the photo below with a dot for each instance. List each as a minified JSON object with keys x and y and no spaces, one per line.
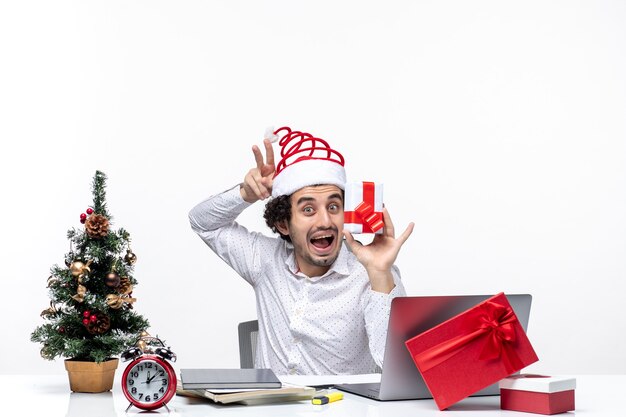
{"x":149,"y":382}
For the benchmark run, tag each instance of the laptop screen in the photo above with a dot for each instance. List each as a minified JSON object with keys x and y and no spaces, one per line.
{"x":411,"y":316}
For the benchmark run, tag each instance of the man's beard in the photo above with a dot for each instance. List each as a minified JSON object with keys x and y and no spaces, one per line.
{"x":326,"y":261}
{"x":317,"y":261}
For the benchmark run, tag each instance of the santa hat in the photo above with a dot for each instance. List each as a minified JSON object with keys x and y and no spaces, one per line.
{"x":305,"y":160}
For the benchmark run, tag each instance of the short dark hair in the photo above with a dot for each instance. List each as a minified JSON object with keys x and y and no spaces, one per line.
{"x":278,"y":210}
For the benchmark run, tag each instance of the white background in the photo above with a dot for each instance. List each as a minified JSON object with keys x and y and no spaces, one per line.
{"x":497,"y":127}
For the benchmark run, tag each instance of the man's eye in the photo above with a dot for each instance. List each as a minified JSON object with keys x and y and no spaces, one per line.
{"x":308,"y":210}
{"x":334,"y":207}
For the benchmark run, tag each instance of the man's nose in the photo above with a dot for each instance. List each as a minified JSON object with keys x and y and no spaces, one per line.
{"x":324,"y":218}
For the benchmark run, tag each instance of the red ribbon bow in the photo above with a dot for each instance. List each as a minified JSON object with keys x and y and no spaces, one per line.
{"x":364,"y":213}
{"x":495,"y":324}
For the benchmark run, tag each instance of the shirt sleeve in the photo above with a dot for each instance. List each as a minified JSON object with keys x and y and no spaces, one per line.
{"x":214,"y":221}
{"x":377,"y":308}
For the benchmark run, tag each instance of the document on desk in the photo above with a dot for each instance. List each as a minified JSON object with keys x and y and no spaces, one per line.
{"x":328,"y":380}
{"x":250,"y":396}
{"x":213,"y":378}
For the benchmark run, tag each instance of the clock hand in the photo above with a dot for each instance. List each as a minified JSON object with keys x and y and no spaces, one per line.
{"x":150,"y":379}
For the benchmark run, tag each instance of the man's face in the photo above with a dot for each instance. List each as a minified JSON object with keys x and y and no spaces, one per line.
{"x":315,"y":227}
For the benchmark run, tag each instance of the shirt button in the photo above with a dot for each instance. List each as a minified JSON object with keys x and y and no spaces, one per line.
{"x":293,"y":371}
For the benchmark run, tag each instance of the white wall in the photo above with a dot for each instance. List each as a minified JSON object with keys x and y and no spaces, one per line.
{"x":498,"y":127}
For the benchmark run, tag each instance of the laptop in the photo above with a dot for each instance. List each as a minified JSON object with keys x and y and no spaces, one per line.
{"x":410,"y":316}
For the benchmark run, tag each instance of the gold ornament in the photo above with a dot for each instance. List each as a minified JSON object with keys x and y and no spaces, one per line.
{"x":116,"y":301}
{"x":49,"y":312}
{"x":52,"y":281}
{"x":80,"y":292}
{"x":45,"y":353}
{"x":79,"y":269}
{"x":141,"y":343}
{"x":130,"y":257}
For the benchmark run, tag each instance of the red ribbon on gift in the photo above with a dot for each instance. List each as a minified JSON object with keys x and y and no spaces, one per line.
{"x":495,"y":324}
{"x":364,"y":213}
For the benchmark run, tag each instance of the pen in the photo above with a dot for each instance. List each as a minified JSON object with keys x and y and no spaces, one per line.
{"x":328,"y":398}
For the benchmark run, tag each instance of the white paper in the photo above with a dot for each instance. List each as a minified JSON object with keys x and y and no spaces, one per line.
{"x":326,"y":380}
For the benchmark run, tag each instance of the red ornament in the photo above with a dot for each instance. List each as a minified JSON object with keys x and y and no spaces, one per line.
{"x":83,"y":216}
{"x":86,"y":313}
{"x":93,"y":318}
{"x":89,"y":210}
{"x":86,"y":322}
{"x":61,"y":329}
{"x":83,"y":221}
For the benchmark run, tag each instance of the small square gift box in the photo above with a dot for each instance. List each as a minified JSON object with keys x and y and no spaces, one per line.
{"x":539,"y":394}
{"x":363,"y":207}
{"x":471,"y":351}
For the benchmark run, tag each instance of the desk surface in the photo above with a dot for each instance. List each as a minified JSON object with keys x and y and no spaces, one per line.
{"x":49,"y":396}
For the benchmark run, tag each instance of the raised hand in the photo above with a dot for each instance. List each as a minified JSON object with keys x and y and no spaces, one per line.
{"x":379,"y":256}
{"x":257,"y":184}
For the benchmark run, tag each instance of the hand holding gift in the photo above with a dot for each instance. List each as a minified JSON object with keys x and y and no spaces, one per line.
{"x":380,"y":255}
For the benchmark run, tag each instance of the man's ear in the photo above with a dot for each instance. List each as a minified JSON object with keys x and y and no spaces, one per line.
{"x":282,"y":227}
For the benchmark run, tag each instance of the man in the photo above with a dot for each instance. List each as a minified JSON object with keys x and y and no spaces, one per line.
{"x":322,"y":305}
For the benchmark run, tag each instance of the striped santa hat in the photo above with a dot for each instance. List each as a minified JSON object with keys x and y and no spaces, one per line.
{"x":305,"y":160}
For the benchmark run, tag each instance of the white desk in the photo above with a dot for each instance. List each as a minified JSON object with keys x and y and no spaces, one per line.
{"x":49,"y":396}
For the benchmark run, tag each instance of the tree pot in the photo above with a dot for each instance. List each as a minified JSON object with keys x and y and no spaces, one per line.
{"x":86,"y":376}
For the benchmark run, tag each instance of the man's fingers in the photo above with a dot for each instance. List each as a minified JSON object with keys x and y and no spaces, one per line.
{"x":389,"y":229}
{"x":267,"y":182}
{"x":258,"y":156}
{"x":254,"y":182}
{"x":352,"y":244}
{"x":269,"y":152}
{"x":404,"y":236}
{"x":260,"y":183}
{"x":251,"y":184}
{"x":265,"y":168}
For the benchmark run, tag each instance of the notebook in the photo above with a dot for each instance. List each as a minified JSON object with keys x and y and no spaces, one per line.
{"x":287,"y":393}
{"x":229,"y":378}
{"x":409,"y":316}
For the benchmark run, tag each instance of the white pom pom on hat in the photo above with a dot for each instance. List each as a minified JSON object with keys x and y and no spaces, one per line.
{"x":269,"y":134}
{"x":305,"y":160}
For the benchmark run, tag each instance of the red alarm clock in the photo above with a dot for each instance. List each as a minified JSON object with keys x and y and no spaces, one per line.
{"x":149,"y":381}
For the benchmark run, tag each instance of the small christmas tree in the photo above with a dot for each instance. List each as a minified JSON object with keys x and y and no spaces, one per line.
{"x":91,"y":315}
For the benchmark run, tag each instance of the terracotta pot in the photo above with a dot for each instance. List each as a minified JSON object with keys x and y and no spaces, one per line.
{"x":88,"y":376}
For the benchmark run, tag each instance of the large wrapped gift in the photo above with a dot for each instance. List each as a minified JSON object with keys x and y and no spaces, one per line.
{"x":538,"y":394}
{"x":471,"y":351}
{"x":363,"y":207}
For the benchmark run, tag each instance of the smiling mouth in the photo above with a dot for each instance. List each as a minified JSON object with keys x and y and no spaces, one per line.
{"x":323,"y":242}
